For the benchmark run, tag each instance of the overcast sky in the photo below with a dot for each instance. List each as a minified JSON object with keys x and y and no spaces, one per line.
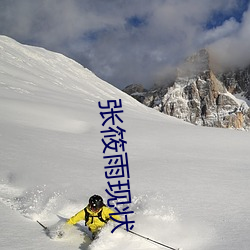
{"x":131,"y":41}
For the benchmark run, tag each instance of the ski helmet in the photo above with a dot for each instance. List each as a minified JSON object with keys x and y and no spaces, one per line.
{"x":95,"y":202}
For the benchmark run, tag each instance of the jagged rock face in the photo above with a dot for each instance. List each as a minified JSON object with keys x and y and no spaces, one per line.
{"x":204,"y":102}
{"x":237,"y":81}
{"x":137,"y":91}
{"x":199,"y":97}
{"x":134,"y":88}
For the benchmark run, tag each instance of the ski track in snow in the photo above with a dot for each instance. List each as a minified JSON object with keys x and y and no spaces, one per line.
{"x":150,"y":213}
{"x":32,"y":204}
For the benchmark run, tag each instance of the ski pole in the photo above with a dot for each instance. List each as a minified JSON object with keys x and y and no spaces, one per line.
{"x":45,"y":228}
{"x":159,"y":243}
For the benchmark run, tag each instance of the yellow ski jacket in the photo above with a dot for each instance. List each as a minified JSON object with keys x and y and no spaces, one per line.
{"x":93,"y":223}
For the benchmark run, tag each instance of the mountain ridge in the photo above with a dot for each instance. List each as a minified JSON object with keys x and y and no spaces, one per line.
{"x":201,"y":95}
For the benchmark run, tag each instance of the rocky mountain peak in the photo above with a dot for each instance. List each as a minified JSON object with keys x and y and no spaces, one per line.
{"x":200,"y":96}
{"x":196,"y":64}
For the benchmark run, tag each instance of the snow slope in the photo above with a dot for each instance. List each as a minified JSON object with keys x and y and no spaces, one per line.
{"x":190,"y":185}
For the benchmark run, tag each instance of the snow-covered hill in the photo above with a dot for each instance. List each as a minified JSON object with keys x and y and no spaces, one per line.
{"x":190,"y":185}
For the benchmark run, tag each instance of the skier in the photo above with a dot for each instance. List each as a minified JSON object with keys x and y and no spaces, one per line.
{"x":96,"y":214}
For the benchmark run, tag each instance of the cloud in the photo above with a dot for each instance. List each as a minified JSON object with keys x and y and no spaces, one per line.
{"x":228,"y":28}
{"x":233,"y":49}
{"x":124,"y":42}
